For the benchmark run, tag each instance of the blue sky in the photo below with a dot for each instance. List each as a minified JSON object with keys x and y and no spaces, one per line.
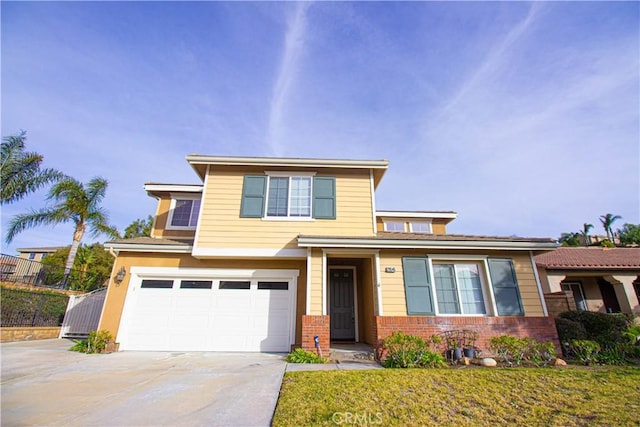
{"x":522,"y":117}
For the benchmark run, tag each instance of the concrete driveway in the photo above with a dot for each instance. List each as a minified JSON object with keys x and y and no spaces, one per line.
{"x":44,"y":384}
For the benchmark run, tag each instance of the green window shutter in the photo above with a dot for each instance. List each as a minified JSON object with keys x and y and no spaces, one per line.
{"x":505,"y":287}
{"x":417,"y":288}
{"x":253,"y":195}
{"x":324,"y":197}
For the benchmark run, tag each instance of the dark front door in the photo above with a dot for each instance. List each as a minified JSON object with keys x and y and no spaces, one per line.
{"x":609,"y":297}
{"x":341,"y":306}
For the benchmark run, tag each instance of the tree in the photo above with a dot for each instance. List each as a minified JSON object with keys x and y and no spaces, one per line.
{"x":570,"y":239}
{"x":73,"y":202}
{"x":20,"y":171}
{"x":607,"y":221}
{"x":91,"y":268}
{"x":139,"y":228}
{"x":585,"y":233}
{"x":629,"y":234}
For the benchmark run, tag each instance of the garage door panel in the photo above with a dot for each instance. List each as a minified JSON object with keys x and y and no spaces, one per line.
{"x":209,"y":315}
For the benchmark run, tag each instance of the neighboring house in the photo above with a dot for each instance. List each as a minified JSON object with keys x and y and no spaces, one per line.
{"x":37,"y":254}
{"x":595,"y":279}
{"x":267,"y":253}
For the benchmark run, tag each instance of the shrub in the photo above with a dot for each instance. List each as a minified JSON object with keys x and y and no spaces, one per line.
{"x":303,"y":356}
{"x":409,"y":351}
{"x":606,"y":329}
{"x":513,"y":350}
{"x":614,"y":355}
{"x":96,"y":342}
{"x":632,"y":334}
{"x":585,"y":350}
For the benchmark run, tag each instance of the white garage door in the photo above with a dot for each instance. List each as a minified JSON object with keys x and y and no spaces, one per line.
{"x":200,"y":313}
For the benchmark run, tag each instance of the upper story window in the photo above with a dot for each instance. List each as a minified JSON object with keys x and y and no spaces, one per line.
{"x":184,"y":213}
{"x":292,"y":196}
{"x":32,"y":255}
{"x":420,"y":227}
{"x":394,"y":226}
{"x":289,"y":196}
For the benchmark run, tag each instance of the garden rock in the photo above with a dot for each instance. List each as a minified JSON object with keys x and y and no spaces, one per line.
{"x":466,"y":361}
{"x":559,"y":362}
{"x":488,"y":362}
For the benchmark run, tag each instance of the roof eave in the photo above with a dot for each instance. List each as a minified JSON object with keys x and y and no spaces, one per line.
{"x":140,"y":247}
{"x":312,"y":242}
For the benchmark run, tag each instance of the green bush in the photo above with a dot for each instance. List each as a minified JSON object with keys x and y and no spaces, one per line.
{"x":632,"y":334}
{"x":96,"y":342}
{"x":513,"y":350}
{"x":615,"y":355}
{"x":585,"y":350}
{"x":409,"y":351}
{"x":303,"y":356}
{"x":606,"y":329}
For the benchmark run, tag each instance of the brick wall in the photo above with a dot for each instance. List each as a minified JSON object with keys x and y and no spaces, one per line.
{"x":559,"y":302}
{"x":539,"y":328}
{"x":29,"y":333}
{"x":312,"y":326}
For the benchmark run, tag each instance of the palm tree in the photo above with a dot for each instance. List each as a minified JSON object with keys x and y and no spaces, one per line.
{"x":73,"y":203}
{"x":20,"y":171}
{"x":585,"y":233}
{"x":607,"y":221}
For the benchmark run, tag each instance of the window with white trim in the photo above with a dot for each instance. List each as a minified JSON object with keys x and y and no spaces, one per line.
{"x":459,"y":288}
{"x":184,"y":213}
{"x":289,"y":196}
{"x":420,"y":227}
{"x":394,"y":226}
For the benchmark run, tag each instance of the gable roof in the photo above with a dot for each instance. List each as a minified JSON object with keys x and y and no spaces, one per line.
{"x":591,"y":258}
{"x":43,"y":250}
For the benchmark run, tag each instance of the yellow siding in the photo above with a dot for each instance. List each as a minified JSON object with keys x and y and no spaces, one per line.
{"x":221,"y":226}
{"x":393,"y":296}
{"x":316,"y":282}
{"x":116,"y":294}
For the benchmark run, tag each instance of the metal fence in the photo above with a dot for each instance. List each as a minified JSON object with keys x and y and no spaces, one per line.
{"x":83,"y":314}
{"x":29,"y":308}
{"x":28,"y":272}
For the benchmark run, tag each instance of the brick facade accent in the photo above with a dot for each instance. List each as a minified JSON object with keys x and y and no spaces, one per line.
{"x":559,"y":302}
{"x":28,"y":333}
{"x":312,"y":326}
{"x":539,"y":328}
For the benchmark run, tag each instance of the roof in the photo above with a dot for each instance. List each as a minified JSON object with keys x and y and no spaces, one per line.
{"x":200,"y":162}
{"x":156,"y":188}
{"x":591,"y":258}
{"x":44,"y":249}
{"x":387,"y":239}
{"x":150,"y":244}
{"x":448,"y":215}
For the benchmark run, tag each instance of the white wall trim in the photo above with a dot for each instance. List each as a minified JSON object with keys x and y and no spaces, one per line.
{"x":543,"y":302}
{"x":324,"y":283}
{"x":289,"y":173}
{"x":373,"y":202}
{"x":250,"y":252}
{"x":378,"y":282}
{"x":492,"y":298}
{"x":242,"y":273}
{"x":204,"y":197}
{"x":190,"y":188}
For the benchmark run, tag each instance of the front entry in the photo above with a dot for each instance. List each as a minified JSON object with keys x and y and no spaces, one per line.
{"x":341,"y":305}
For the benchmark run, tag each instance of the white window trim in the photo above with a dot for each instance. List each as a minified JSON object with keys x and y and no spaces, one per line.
{"x":485,"y":283}
{"x":429,"y":223}
{"x":579,"y":284}
{"x":288,"y":218}
{"x":404,"y":226}
{"x":182,"y":196}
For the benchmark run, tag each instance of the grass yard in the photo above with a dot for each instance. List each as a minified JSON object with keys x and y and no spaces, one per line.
{"x":572,"y":396}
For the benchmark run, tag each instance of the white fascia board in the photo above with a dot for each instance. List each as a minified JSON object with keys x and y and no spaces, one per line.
{"x":230,"y":273}
{"x":127,"y":247}
{"x":422,"y":244}
{"x":286,"y":161}
{"x":249,"y":252}
{"x":174,"y":188}
{"x":410,"y":214}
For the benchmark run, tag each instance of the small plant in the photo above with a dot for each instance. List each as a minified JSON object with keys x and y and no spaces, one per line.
{"x":513,"y":350}
{"x":303,"y":356}
{"x":614,"y":355}
{"x":585,"y":350}
{"x":409,"y":351}
{"x":96,"y":342}
{"x":632,"y":334}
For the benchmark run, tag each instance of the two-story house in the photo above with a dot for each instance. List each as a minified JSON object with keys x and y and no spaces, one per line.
{"x":267,"y":253}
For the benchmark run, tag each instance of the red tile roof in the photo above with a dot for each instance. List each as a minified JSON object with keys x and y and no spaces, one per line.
{"x":592,"y":258}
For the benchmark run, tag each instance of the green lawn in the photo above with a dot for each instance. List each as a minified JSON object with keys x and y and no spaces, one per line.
{"x":572,"y":396}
